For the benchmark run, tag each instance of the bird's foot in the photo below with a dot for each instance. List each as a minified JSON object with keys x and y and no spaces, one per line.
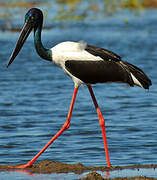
{"x":23,"y":166}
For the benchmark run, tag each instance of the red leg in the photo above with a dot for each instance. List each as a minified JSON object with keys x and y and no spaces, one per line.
{"x":64,"y":127}
{"x":102,"y":124}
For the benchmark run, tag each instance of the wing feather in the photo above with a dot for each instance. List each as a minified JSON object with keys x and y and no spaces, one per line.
{"x":98,"y":71}
{"x":103,"y":53}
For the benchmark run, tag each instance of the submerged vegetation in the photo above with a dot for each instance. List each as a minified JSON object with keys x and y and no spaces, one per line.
{"x":71,"y":10}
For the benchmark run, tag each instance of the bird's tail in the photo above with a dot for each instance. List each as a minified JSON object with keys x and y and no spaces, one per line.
{"x":138,"y":77}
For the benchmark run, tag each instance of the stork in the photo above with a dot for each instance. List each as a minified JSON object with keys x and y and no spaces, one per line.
{"x":85,"y":64}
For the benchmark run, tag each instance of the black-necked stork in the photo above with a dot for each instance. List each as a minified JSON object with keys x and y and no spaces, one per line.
{"x":85,"y":64}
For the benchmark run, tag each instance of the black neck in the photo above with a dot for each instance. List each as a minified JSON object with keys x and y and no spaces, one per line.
{"x":43,"y":52}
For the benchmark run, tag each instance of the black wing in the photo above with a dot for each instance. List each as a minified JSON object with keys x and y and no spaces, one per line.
{"x":103,"y":53}
{"x":98,"y":71}
{"x":107,"y":71}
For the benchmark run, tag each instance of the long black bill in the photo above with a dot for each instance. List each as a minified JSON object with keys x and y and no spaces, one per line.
{"x":22,"y":38}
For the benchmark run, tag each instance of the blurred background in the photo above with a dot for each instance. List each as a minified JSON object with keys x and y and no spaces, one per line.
{"x":13,"y":11}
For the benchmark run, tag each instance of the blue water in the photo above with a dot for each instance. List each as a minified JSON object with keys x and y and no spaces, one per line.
{"x":35,"y":96}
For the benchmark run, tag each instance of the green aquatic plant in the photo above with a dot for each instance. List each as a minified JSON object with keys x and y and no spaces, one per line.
{"x":19,"y":3}
{"x":72,"y":10}
{"x":68,"y":10}
{"x":132,"y":4}
{"x":138,"y":4}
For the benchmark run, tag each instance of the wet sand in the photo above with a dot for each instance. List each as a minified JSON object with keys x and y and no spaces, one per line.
{"x":48,"y":167}
{"x":96,"y":176}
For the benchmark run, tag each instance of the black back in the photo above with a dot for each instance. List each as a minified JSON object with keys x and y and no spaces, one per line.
{"x":103,"y":53}
{"x":110,"y":69}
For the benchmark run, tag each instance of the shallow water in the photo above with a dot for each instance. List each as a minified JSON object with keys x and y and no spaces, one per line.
{"x":35,"y":96}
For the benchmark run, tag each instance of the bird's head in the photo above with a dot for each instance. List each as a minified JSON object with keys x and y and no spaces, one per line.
{"x":33,"y":19}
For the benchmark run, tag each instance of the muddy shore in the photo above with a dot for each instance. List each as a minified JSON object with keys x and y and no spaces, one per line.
{"x":48,"y":167}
